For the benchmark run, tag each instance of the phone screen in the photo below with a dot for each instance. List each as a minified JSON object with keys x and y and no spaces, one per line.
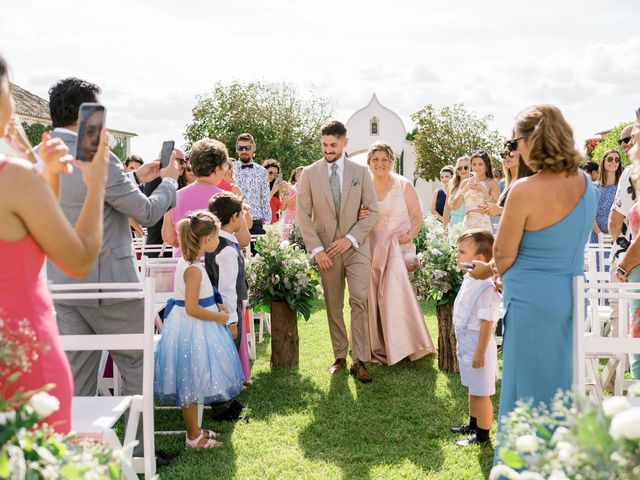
{"x":91,"y":119}
{"x":279,"y":178}
{"x":165,"y":154}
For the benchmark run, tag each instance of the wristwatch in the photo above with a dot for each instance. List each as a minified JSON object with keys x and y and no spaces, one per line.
{"x":622,"y":272}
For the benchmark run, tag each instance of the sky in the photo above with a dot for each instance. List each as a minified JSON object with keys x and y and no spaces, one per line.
{"x":152,"y":58}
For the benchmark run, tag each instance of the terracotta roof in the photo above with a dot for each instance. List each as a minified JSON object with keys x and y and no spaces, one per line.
{"x":36,"y":109}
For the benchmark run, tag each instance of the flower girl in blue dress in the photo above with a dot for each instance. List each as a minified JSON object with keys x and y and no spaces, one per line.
{"x":196,"y":360}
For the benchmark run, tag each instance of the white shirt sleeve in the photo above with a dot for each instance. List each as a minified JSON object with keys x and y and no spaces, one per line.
{"x":488,"y":306}
{"x":227,"y":261}
{"x":623,"y":200}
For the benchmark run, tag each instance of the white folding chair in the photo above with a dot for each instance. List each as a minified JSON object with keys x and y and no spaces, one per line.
{"x":96,"y":416}
{"x":590,"y":346}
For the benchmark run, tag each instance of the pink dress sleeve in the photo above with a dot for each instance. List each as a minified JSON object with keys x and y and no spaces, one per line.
{"x":413,"y":207}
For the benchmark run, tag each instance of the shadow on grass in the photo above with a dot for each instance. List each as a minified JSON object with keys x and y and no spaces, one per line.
{"x":385,"y":423}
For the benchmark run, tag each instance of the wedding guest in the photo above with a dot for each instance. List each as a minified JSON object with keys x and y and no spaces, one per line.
{"x":29,"y":213}
{"x":439,"y":198}
{"x":498,"y":175}
{"x":187,"y":177}
{"x":196,"y":361}
{"x":228,"y":182}
{"x":397,"y":329}
{"x":132,"y":163}
{"x":538,"y":250}
{"x":475,"y":313}
{"x":452,"y":217}
{"x":123,"y":200}
{"x":609,"y":176}
{"x":592,"y":169}
{"x":253,"y":181}
{"x":289,"y":194}
{"x":225,"y":267}
{"x":475,"y":191}
{"x":275,"y":187}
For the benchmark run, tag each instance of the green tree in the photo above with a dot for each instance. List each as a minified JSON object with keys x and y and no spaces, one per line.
{"x":609,"y":141}
{"x":120,"y":148}
{"x":442,"y":136}
{"x":34,"y":131}
{"x":285,"y":126}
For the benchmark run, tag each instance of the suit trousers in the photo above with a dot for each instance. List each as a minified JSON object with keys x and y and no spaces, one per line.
{"x":355,"y":268}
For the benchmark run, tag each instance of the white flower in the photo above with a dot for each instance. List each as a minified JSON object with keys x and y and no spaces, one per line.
{"x":532,"y":476}
{"x":558,"y":475}
{"x":501,"y":470}
{"x":44,"y":404}
{"x":561,"y":433}
{"x":565,"y":451}
{"x":527,"y":443}
{"x":634,"y":390}
{"x":614,"y":405}
{"x":46,"y":455}
{"x":435,"y":251}
{"x":626,"y":424}
{"x":284,"y":244}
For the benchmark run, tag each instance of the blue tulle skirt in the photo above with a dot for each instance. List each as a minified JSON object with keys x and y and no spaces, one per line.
{"x":196,"y":361}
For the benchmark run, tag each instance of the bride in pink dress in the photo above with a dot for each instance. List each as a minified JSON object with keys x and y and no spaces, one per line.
{"x":34,"y":226}
{"x":397,"y":329}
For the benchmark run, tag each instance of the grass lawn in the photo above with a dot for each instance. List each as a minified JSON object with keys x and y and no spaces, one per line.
{"x":306,"y":424}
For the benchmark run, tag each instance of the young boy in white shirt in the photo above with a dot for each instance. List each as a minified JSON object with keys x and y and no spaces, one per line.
{"x":475,"y":313}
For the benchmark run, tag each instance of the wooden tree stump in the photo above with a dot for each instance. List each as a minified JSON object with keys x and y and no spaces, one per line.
{"x":447,"y":360}
{"x":285,"y":345}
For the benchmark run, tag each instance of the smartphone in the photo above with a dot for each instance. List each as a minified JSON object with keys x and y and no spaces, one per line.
{"x":91,"y":118}
{"x":468,"y":266}
{"x":279,"y":178}
{"x":165,"y":153}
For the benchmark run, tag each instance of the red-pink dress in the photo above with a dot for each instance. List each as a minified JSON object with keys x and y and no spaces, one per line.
{"x":24,"y":295}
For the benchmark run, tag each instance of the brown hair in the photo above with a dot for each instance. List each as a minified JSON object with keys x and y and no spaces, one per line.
{"x":334,"y":128}
{"x":245,"y":137}
{"x":295,"y":175}
{"x":488,"y":168}
{"x":456,"y":176}
{"x":381,"y":147}
{"x":133,"y":158}
{"x":225,"y":205}
{"x":193,"y":229}
{"x":550,"y":138}
{"x":4,"y":67}
{"x":271,"y":162}
{"x":602,"y":177}
{"x":482,"y":240}
{"x":206,"y":156}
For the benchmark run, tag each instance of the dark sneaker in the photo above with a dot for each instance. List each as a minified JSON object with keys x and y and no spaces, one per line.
{"x":465,"y":429}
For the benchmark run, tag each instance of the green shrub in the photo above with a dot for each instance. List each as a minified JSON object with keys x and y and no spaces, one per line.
{"x":609,"y":141}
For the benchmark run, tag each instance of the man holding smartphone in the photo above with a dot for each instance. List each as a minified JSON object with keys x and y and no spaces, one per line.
{"x":252,"y":180}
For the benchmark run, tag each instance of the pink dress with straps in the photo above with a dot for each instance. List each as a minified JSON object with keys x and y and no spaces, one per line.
{"x":24,"y":296}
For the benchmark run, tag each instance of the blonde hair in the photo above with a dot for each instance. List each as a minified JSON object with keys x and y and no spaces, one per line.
{"x":193,"y":229}
{"x":550,"y":138}
{"x":456,"y":176}
{"x":381,"y":147}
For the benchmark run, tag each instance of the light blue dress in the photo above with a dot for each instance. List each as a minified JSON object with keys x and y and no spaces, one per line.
{"x":456,"y":216}
{"x":538,"y":302}
{"x":196,"y":360}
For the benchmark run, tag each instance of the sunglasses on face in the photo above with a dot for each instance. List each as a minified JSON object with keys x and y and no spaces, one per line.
{"x":624,"y":140}
{"x":271,"y":174}
{"x":612,"y":159}
{"x":240,"y":148}
{"x":504,"y":155}
{"x":466,"y":167}
{"x":512,"y":145}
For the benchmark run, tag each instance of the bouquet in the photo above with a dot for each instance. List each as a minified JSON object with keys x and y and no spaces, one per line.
{"x":282,"y":272}
{"x":573,"y":438}
{"x":437,"y":277}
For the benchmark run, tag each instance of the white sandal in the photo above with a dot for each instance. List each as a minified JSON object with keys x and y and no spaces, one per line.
{"x":210,"y":443}
{"x":209,"y":433}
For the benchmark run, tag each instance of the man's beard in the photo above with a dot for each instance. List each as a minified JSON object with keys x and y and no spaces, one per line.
{"x":244,"y":159}
{"x":337,"y":156}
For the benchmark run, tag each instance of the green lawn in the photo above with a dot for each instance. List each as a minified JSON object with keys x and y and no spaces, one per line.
{"x":306,"y":424}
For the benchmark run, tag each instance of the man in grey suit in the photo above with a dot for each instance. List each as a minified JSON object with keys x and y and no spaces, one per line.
{"x":123,"y":199}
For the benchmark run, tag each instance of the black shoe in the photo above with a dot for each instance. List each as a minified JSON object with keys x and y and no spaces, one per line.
{"x":473,"y":440}
{"x":230,"y":412}
{"x":163,"y":458}
{"x":465,"y":429}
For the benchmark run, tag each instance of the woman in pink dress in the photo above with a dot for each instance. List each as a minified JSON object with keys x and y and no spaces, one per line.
{"x":289,"y":194}
{"x":34,"y":226}
{"x":397,"y":329}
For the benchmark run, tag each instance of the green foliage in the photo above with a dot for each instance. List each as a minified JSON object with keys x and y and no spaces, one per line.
{"x":282,"y":272}
{"x":295,"y":236}
{"x":610,"y":140}
{"x":284,"y":125}
{"x":120,"y":148}
{"x":34,"y":131}
{"x":443,"y":136}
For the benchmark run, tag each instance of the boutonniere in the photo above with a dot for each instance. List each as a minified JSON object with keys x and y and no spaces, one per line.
{"x":355,"y":182}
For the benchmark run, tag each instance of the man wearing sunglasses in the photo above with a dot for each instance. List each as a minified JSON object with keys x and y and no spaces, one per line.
{"x":254,"y":183}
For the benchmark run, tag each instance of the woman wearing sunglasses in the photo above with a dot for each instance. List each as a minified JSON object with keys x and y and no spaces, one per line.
{"x":450,"y":216}
{"x":610,"y":171}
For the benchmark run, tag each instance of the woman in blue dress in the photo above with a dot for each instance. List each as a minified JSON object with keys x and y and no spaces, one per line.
{"x":538,"y":250}
{"x":610,"y":171}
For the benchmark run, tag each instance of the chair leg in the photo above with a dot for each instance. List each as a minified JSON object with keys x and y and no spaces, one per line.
{"x":261,"y":328}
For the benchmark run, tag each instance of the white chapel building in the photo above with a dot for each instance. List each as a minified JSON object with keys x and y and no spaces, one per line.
{"x":374,"y":122}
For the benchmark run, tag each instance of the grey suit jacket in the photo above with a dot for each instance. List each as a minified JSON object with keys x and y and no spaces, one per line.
{"x":123,"y":199}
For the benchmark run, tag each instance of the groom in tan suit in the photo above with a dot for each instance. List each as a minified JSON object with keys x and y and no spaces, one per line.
{"x":330,"y":194}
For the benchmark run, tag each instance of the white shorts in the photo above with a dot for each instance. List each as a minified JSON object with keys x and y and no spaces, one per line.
{"x":481,"y":382}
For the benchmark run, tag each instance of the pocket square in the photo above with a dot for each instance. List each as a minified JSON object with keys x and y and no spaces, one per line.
{"x":355,"y":182}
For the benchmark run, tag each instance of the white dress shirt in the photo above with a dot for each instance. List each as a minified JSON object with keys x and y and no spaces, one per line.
{"x":227,"y":260}
{"x":485,"y":309}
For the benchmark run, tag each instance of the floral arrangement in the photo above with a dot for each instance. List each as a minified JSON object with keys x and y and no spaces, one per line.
{"x":437,"y":277}
{"x":282,"y":272}
{"x":589,"y":146}
{"x":295,"y":236}
{"x":573,"y":438}
{"x":30,"y":451}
